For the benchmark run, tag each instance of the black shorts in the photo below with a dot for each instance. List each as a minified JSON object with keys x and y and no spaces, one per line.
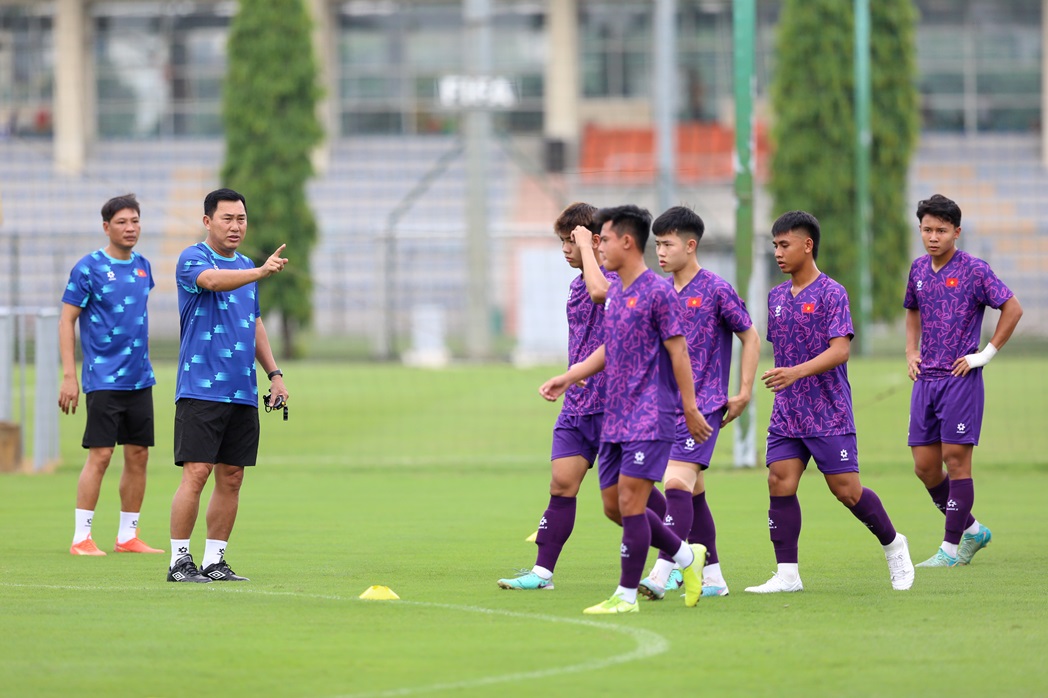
{"x":215,"y":432}
{"x":119,"y":417}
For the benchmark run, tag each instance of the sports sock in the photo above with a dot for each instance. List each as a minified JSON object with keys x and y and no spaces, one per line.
{"x":660,"y":573}
{"x":214,"y":551}
{"x":555,"y":528}
{"x":82,"y":529}
{"x":703,"y":530}
{"x":179,"y":547}
{"x":940,"y":494}
{"x":629,"y":595}
{"x":949,"y":548}
{"x":789,"y":571}
{"x":784,"y":524}
{"x":974,"y":528}
{"x":636,"y":539}
{"x":662,"y":537}
{"x":685,"y":556}
{"x":958,"y":509}
{"x":542,"y":572}
{"x":128,"y":526}
{"x":657,"y":502}
{"x":871,"y":512}
{"x":713,"y":571}
{"x":678,"y":515}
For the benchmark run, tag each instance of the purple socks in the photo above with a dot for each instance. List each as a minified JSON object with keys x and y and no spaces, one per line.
{"x":703,"y":530}
{"x":784,"y":524}
{"x":678,"y":517}
{"x":871,"y":512}
{"x":554,"y":529}
{"x":940,"y":494}
{"x":959,"y":509}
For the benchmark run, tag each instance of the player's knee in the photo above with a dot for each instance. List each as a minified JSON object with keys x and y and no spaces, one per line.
{"x":677,"y":483}
{"x":613,"y":513}
{"x":99,"y":458}
{"x":848,"y":498}
{"x":563,"y":487}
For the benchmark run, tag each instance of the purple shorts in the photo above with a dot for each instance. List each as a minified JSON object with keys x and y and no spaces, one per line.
{"x":832,"y":454}
{"x":686,"y":450}
{"x":577,"y":435}
{"x":641,"y":459}
{"x":947,"y":411}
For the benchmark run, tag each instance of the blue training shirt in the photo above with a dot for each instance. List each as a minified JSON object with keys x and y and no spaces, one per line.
{"x":216,"y":354}
{"x":114,"y":320}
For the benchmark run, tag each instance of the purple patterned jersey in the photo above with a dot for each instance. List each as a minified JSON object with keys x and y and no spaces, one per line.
{"x":951,"y":302}
{"x":642,"y":396}
{"x":711,"y":312}
{"x":585,"y":334}
{"x":799,"y":329}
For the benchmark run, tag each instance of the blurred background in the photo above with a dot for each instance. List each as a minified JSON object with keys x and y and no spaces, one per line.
{"x":454,"y":131}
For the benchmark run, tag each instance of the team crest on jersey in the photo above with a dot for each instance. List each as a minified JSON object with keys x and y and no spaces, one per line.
{"x":140,"y":272}
{"x":808,"y":308}
{"x":695,"y":302}
{"x":631,"y":302}
{"x":952,"y":282}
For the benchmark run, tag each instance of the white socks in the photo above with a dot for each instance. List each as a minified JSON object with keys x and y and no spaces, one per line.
{"x":82,"y":529}
{"x":179,"y":547}
{"x":788,"y":571}
{"x":128,"y":526}
{"x":542,"y":572}
{"x":660,"y":573}
{"x":213,"y":552}
{"x":949,"y":548}
{"x":685,"y":556}
{"x":974,"y":528}
{"x":627,"y":595}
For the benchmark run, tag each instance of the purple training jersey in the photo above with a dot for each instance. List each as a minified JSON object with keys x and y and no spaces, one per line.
{"x":711,"y":312}
{"x":951,"y":302}
{"x":799,"y":329}
{"x":642,"y":396}
{"x":585,"y":334}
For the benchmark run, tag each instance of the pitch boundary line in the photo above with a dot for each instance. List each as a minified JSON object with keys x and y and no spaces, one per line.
{"x":647,"y":643}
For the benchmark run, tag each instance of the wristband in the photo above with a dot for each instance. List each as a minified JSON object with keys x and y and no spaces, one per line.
{"x":275,"y":372}
{"x":983,"y":357}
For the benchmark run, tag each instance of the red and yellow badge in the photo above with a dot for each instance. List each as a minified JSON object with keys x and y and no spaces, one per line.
{"x":141,"y":272}
{"x":807,"y":307}
{"x":694,"y":302}
{"x":631,"y":302}
{"x":951,"y":282}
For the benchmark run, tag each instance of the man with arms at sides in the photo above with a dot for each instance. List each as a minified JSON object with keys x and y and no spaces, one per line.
{"x":810,"y":330}
{"x":946,"y":294}
{"x":644,"y":354}
{"x":711,"y":311}
{"x":576,"y":435}
{"x":108,"y":291}
{"x":216,"y":397}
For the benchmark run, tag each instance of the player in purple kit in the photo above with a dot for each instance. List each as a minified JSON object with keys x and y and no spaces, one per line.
{"x":946,"y":294}
{"x":576,"y":435}
{"x":711,"y":311}
{"x":810,"y":330}
{"x":643,"y":355}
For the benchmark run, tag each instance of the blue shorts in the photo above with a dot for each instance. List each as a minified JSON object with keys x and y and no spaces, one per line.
{"x":686,"y":450}
{"x":833,"y":454}
{"x":641,"y":459}
{"x":577,"y":435}
{"x":948,"y":411}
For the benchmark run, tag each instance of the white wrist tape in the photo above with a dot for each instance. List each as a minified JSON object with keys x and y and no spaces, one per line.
{"x":982,"y":358}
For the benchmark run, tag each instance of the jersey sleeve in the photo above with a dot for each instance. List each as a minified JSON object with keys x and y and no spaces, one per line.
{"x":909,"y":301}
{"x":191,"y":262}
{"x":733,"y":310}
{"x":666,"y":312}
{"x":990,"y":290}
{"x":78,"y":290}
{"x":839,"y":321}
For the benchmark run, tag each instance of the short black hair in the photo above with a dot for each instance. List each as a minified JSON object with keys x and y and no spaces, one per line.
{"x":119,"y":203}
{"x":798,"y":220}
{"x":628,"y":220}
{"x":680,"y":220}
{"x":212,"y":199}
{"x":940,"y":207}
{"x":576,"y":214}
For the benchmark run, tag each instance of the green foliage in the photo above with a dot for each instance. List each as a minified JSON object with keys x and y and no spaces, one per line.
{"x":269,"y":111}
{"x":813,"y":164}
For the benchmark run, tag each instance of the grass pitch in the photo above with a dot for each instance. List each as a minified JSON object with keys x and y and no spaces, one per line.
{"x":428,"y":482}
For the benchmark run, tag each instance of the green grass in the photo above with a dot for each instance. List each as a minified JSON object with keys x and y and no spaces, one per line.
{"x":428,"y":482}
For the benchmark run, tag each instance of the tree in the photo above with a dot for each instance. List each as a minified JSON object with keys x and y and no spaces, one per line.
{"x":269,"y":106}
{"x":813,"y":163}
